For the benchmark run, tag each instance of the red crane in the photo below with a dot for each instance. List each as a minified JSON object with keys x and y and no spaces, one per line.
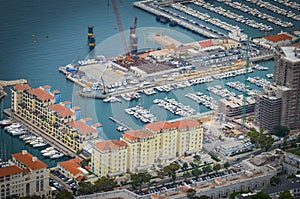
{"x":120,"y":26}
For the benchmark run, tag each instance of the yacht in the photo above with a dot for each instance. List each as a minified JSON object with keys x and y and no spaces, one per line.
{"x":47,"y":149}
{"x":57,"y":155}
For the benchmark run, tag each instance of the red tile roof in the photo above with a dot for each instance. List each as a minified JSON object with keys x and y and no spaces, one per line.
{"x":97,"y":124}
{"x":41,"y":94}
{"x":109,"y":144}
{"x":55,"y":91}
{"x":83,"y":127}
{"x":72,"y":166}
{"x":21,"y":86}
{"x":27,"y":160}
{"x":46,"y":86}
{"x":79,"y":178}
{"x":206,"y":43}
{"x":137,"y":134}
{"x":10,"y":170}
{"x":279,"y":37}
{"x":61,"y":110}
{"x":186,"y":123}
{"x":157,"y":126}
{"x":66,"y":102}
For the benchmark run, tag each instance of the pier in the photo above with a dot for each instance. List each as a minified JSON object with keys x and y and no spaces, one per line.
{"x":186,"y":23}
{"x":120,"y":123}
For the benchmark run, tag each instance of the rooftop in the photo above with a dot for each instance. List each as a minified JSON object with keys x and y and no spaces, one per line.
{"x":279,"y":37}
{"x":21,"y":86}
{"x":82,"y":127}
{"x":205,"y":43}
{"x":61,"y":110}
{"x":137,"y":134}
{"x":290,"y":54}
{"x":10,"y":170}
{"x":186,"y":123}
{"x":109,"y":144}
{"x":71,"y":165}
{"x":29,"y":160}
{"x":41,"y":94}
{"x":157,"y":126}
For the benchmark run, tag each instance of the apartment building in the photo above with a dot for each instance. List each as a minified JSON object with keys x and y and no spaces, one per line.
{"x":109,"y":158}
{"x":286,"y":87}
{"x":25,"y":176}
{"x":43,"y":108}
{"x":157,"y":144}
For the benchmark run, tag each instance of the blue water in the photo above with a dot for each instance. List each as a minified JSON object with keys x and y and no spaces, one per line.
{"x":37,"y":37}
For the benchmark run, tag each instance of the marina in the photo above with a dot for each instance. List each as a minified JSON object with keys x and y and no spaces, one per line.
{"x":175,"y":107}
{"x":142,"y":114}
{"x":204,"y":100}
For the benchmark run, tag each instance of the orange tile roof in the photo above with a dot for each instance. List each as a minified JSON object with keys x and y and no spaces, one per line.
{"x":66,"y":102}
{"x":46,"y":86}
{"x":21,"y":86}
{"x":61,"y":110}
{"x":157,"y":126}
{"x":137,"y":134}
{"x":183,"y":124}
{"x":205,"y":43}
{"x":87,"y":119}
{"x":83,"y":127}
{"x":71,"y":165}
{"x":10,"y":170}
{"x":279,"y":37}
{"x":26,"y":159}
{"x":79,"y":178}
{"x":55,"y":91}
{"x":97,"y":124}
{"x":76,"y":108}
{"x":109,"y":144}
{"x":41,"y":94}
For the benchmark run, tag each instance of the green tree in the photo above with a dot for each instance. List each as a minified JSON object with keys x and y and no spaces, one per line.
{"x":253,"y":134}
{"x":265,"y":142}
{"x":64,"y":194}
{"x":226,"y":165}
{"x":298,"y":138}
{"x":196,"y":172}
{"x":85,"y":188}
{"x":280,"y":131}
{"x":191,"y":193}
{"x":216,"y":167}
{"x":207,"y":169}
{"x":161,"y":174}
{"x":104,"y":184}
{"x":260,"y":195}
{"x":185,"y":165}
{"x":275,"y":180}
{"x":171,"y":170}
{"x":285,"y":195}
{"x":138,"y":179}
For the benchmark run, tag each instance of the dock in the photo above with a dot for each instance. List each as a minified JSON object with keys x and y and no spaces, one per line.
{"x":184,"y":22}
{"x":120,"y":123}
{"x":40,"y":132}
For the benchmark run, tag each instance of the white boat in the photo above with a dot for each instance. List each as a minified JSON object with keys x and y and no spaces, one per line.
{"x":47,"y":149}
{"x":57,"y":155}
{"x":15,"y":132}
{"x":50,"y":153}
{"x":40,"y":144}
{"x":37,"y":140}
{"x":30,"y":137}
{"x":14,"y":126}
{"x":4,"y":123}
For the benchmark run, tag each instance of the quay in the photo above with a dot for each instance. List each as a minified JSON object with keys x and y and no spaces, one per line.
{"x":4,"y":83}
{"x":120,"y":123}
{"x":262,"y":57}
{"x":180,"y":20}
{"x":40,"y":132}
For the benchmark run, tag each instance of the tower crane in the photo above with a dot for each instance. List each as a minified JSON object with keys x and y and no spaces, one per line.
{"x":124,"y":44}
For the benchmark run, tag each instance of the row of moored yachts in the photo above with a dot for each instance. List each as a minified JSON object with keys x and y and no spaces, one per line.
{"x":17,"y":129}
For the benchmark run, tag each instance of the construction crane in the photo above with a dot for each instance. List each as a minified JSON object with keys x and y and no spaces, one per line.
{"x":133,"y":38}
{"x":245,"y":94}
{"x":124,"y":44}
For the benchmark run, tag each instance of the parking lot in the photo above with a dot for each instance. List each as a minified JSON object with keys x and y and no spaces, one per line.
{"x":60,"y":181}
